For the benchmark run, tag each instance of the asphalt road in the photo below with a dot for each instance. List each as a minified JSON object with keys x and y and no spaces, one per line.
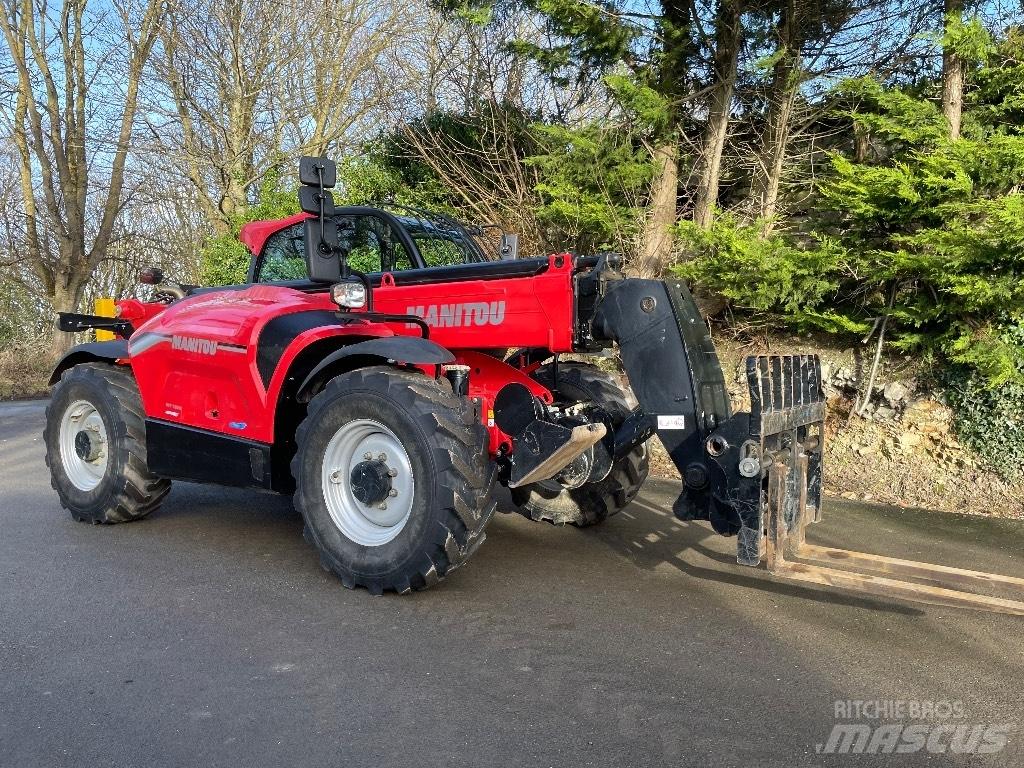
{"x":208,"y":635}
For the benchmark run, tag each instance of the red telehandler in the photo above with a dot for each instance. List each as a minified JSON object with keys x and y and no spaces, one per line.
{"x":384,"y":368}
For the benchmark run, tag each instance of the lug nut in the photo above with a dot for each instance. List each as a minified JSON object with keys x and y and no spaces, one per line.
{"x":392,"y":493}
{"x":368,"y":456}
{"x":335,"y":477}
{"x":383,"y":506}
{"x":382,"y":457}
{"x":392,"y":473}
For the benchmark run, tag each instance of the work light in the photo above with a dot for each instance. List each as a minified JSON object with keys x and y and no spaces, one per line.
{"x":349,"y":295}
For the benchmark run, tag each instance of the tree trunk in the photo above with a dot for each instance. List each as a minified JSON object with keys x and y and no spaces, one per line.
{"x":952,"y":73}
{"x":785,"y":87}
{"x":657,"y":240}
{"x":861,"y":143}
{"x":64,"y":300}
{"x":727,"y":48}
{"x":678,"y":52}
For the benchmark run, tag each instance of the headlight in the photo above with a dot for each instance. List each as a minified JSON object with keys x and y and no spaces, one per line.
{"x":349,"y":295}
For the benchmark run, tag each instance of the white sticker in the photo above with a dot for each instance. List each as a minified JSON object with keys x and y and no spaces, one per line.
{"x":671,"y":422}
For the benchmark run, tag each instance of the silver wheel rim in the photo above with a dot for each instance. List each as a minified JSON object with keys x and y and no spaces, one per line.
{"x":358,"y":441}
{"x":84,"y":471}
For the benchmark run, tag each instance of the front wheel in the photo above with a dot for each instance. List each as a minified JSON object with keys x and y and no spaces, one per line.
{"x":392,"y":479}
{"x":96,"y":446}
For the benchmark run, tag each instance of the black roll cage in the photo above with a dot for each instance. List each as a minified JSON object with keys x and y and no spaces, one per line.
{"x":398,"y":227}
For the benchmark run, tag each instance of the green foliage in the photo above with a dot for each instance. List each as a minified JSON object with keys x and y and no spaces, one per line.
{"x":585,"y":187}
{"x":997,"y":101}
{"x":765,"y":274}
{"x":584,"y":38}
{"x":969,"y":39}
{"x":646,"y":108}
{"x":927,"y":230}
{"x":225,"y":261}
{"x":591,"y":181}
{"x":901,"y":116}
{"x":388,"y":171}
{"x":988,"y":419}
{"x":942,"y":226}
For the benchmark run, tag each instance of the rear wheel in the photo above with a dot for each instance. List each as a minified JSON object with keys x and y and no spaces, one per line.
{"x":96,"y":446}
{"x":392,"y":479}
{"x":591,"y":503}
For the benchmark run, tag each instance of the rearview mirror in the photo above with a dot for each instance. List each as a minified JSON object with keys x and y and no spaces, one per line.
{"x":314,"y":171}
{"x":321,"y":246}
{"x":323,"y":256}
{"x":310,"y":199}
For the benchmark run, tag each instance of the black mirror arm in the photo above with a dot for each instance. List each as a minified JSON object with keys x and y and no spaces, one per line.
{"x":320,"y":176}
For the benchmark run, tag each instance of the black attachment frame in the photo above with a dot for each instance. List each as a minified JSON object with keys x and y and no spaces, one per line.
{"x":71,"y":322}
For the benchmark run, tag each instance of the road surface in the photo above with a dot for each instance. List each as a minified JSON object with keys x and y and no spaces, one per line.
{"x":208,"y":635}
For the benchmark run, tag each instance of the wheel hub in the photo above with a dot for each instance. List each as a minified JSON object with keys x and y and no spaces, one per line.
{"x":371,"y":482}
{"x":368,"y":482}
{"x":87,"y":446}
{"x":82,"y":440}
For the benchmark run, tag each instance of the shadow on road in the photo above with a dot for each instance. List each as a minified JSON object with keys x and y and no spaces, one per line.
{"x":659,"y":547}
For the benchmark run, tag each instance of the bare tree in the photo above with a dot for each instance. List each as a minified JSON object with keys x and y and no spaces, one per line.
{"x":817,"y":45}
{"x":786,"y":79}
{"x":727,"y":51}
{"x":72,"y":139}
{"x":490,"y":179}
{"x":341,"y":85}
{"x":221,"y":61}
{"x":256,"y":82}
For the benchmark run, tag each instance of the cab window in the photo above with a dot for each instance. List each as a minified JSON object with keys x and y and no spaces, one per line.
{"x":440,"y":251}
{"x":369,"y":241}
{"x":371,"y":244}
{"x":283,"y":257}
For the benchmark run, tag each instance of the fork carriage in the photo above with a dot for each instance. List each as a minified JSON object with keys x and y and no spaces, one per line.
{"x":787,"y":421}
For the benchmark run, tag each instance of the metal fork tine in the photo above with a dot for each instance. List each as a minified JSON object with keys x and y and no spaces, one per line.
{"x":909,"y":590}
{"x":864,"y":572}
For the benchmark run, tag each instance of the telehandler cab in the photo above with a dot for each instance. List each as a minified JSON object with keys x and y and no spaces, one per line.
{"x":384,"y":368}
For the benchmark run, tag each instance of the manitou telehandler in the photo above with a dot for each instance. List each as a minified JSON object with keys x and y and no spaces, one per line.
{"x":381,"y":366}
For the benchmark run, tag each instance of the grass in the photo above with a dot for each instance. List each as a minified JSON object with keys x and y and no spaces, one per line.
{"x":25,"y":368}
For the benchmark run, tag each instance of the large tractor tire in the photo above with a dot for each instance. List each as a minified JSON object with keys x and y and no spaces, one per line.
{"x":392,"y":479}
{"x":95,"y":440}
{"x":591,"y":503}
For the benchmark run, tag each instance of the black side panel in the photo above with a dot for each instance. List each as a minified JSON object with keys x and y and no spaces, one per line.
{"x":674,"y":372}
{"x":106,"y":351}
{"x":705,"y":368}
{"x":197,"y":455}
{"x":280,"y":332}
